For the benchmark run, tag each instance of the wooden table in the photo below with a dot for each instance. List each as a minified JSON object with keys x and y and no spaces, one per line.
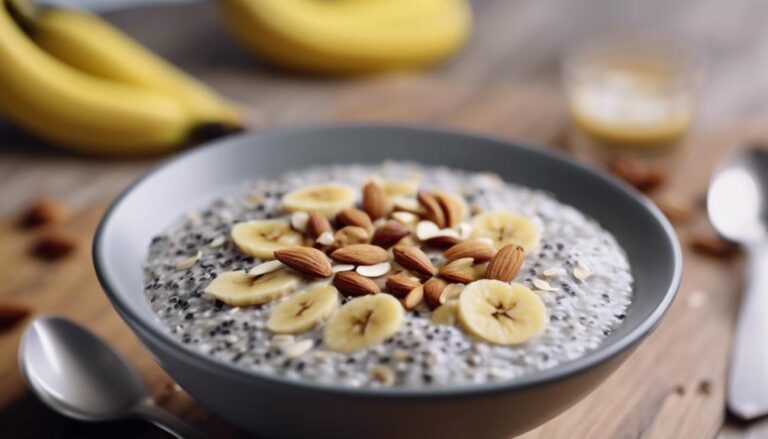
{"x":506,"y":83}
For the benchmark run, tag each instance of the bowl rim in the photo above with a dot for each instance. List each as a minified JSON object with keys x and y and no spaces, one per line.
{"x":547,"y":376}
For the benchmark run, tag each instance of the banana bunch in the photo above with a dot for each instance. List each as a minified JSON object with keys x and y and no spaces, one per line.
{"x":76,"y":81}
{"x":350,"y":36}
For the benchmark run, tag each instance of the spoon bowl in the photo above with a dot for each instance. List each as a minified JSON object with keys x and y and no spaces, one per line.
{"x":736,"y":201}
{"x":78,"y":375}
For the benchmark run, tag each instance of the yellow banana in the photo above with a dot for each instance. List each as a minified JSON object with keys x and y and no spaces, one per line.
{"x":350,"y":36}
{"x":72,"y":108}
{"x":88,"y":43}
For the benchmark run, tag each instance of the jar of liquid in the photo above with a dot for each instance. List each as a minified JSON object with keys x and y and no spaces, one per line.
{"x":630,"y":96}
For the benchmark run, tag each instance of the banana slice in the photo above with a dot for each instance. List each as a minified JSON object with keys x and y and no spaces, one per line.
{"x":445,"y":314}
{"x":503,"y":228}
{"x":260,"y":238}
{"x":238,"y":288}
{"x":305,"y":309}
{"x":327,"y":199}
{"x":501,"y":313}
{"x":363,"y":322}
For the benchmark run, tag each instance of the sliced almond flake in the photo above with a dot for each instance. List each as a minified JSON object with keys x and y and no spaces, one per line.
{"x":299,"y":221}
{"x":298,"y":349}
{"x":543,"y":285}
{"x":326,"y":238}
{"x":338,"y":268}
{"x":265,"y":267}
{"x":582,"y":270}
{"x":376,"y":270}
{"x":400,"y":355}
{"x":406,"y":203}
{"x":485,"y":240}
{"x":426,"y":229}
{"x":465,"y":230}
{"x":451,"y":292}
{"x":580,"y":273}
{"x":189,"y":262}
{"x":194,"y":217}
{"x":383,"y":375}
{"x":217,"y":242}
{"x":282,"y":340}
{"x":446,"y":232}
{"x":321,"y":357}
{"x":379,"y":222}
{"x":553,"y":272}
{"x":406,"y":218}
{"x":499,"y":373}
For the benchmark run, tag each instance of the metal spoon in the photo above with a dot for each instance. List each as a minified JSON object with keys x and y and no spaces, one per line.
{"x":80,"y":376}
{"x":738,"y":208}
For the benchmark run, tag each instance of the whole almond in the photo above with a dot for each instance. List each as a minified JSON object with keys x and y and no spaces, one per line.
{"x":442,"y":241}
{"x":461,"y":271}
{"x":354,"y":217}
{"x":360,"y":254}
{"x":389,"y":234}
{"x":432,"y":209}
{"x":306,"y":260}
{"x":477,"y":250}
{"x":12,"y":313}
{"x":53,"y":247}
{"x":375,"y":202}
{"x":433,"y":288}
{"x":452,"y":209}
{"x":402,"y":283}
{"x":42,"y":212}
{"x":414,"y":259}
{"x":350,"y":283}
{"x":317,"y":224}
{"x":713,"y":246}
{"x":351,"y":235}
{"x":413,"y":298}
{"x":505,"y":264}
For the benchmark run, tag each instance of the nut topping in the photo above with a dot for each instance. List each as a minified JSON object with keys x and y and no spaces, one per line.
{"x":354,"y":217}
{"x":414,"y":259}
{"x":402,"y":283}
{"x":478,"y":250}
{"x":360,"y":254}
{"x":505,"y":264}
{"x":305,"y":260}
{"x":389,"y":234}
{"x":433,"y":288}
{"x":375,"y":202}
{"x":317,"y":224}
{"x":350,"y":283}
{"x":461,"y":271}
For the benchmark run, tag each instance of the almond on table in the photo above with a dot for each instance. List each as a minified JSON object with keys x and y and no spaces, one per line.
{"x":54,"y":246}
{"x":43,"y":212}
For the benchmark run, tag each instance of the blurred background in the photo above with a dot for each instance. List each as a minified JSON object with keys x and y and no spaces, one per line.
{"x":655,"y":91}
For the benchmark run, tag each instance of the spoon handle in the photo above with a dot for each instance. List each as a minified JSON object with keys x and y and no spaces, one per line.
{"x":747,"y":395}
{"x":166,"y":421}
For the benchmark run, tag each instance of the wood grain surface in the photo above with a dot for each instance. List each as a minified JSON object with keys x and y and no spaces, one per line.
{"x":505,"y":83}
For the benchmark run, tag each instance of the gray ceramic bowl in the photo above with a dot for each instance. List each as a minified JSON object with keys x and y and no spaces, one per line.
{"x":275,"y":407}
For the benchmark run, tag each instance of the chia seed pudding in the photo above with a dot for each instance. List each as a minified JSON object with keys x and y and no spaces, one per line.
{"x":575,"y":269}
